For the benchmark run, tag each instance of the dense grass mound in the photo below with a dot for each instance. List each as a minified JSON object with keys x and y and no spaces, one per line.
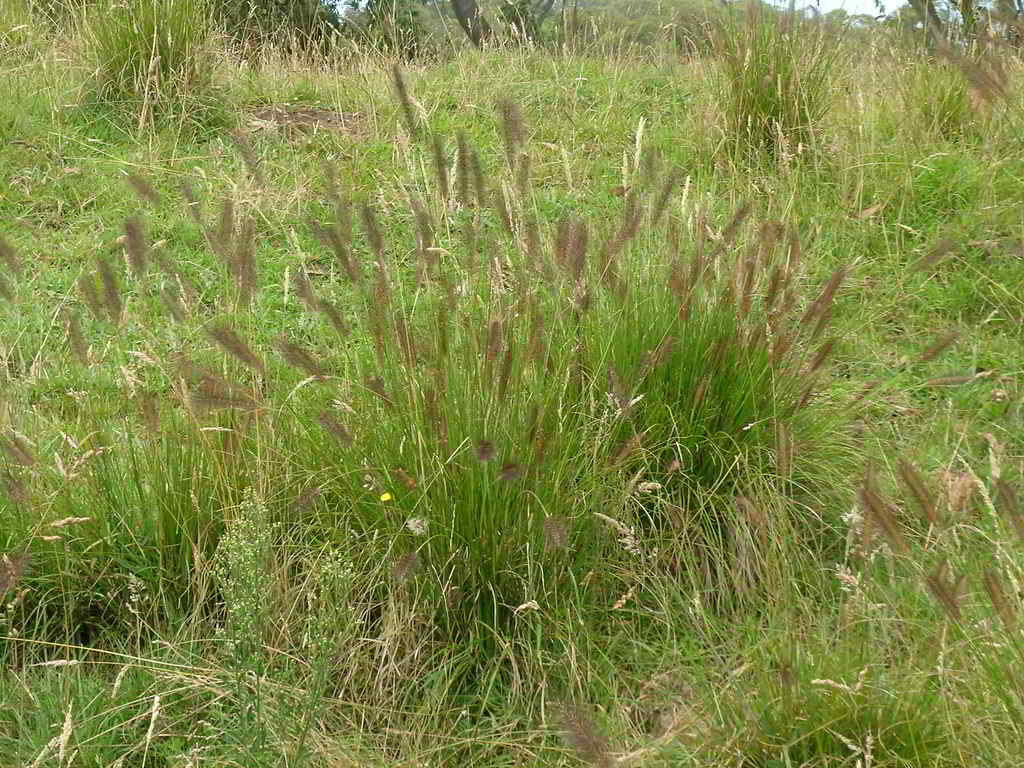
{"x":508,"y":402}
{"x":777,"y":72}
{"x":660,"y":412}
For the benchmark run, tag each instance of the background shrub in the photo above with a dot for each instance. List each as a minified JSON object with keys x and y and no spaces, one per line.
{"x":389,"y":27}
{"x":778,"y":68}
{"x":293,"y":25}
{"x":151,"y":55}
{"x":936,"y":98}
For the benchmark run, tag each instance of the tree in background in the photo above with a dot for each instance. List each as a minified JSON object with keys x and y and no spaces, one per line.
{"x":294,"y":24}
{"x":389,"y":26}
{"x":963,"y":20}
{"x":472,"y":21}
{"x":927,"y":13}
{"x":1007,"y":17}
{"x":525,"y":17}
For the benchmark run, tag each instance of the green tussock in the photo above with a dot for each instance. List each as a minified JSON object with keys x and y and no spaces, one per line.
{"x":641,"y":388}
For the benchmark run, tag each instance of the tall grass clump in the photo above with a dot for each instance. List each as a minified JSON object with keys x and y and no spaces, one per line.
{"x":958,"y":533}
{"x":392,"y":27}
{"x":16,"y":30}
{"x":936,"y":99}
{"x":540,"y":400}
{"x":151,"y":56}
{"x":819,"y":701}
{"x":720,"y":365}
{"x":777,"y":74}
{"x":504,"y":423}
{"x":296,"y":26}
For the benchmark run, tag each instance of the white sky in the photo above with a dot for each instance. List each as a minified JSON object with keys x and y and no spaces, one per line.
{"x":853,"y":6}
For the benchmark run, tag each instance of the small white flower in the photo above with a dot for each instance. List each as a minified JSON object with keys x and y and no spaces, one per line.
{"x":417,"y":526}
{"x":69,"y":521}
{"x":853,"y":518}
{"x":627,"y":536}
{"x":849,"y":582}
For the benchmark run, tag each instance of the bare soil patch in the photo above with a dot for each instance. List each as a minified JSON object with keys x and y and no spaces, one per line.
{"x":293,"y":119}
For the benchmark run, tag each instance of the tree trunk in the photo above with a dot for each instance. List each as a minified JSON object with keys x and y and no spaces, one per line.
{"x":930,"y":16}
{"x":473,"y":23}
{"x":968,"y":13}
{"x":541,"y":10}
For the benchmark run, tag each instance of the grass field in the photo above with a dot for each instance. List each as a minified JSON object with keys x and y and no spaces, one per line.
{"x":598,"y":403}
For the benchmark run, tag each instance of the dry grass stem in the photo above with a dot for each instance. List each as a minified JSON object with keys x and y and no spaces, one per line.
{"x":135,"y":245}
{"x":299,"y":358}
{"x":882,"y":514}
{"x":997,"y":594}
{"x":372,"y":231}
{"x":513,"y":130}
{"x":144,"y":189}
{"x":582,"y":734}
{"x":229,"y":340}
{"x":946,"y":592}
{"x":9,"y":258}
{"x":250,"y":159}
{"x":76,"y":340}
{"x":937,"y":347}
{"x":12,"y":569}
{"x":925,"y":499}
{"x":17,"y":450}
{"x":440,"y":158}
{"x":409,"y":113}
{"x":111,"y":292}
{"x":331,"y":423}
